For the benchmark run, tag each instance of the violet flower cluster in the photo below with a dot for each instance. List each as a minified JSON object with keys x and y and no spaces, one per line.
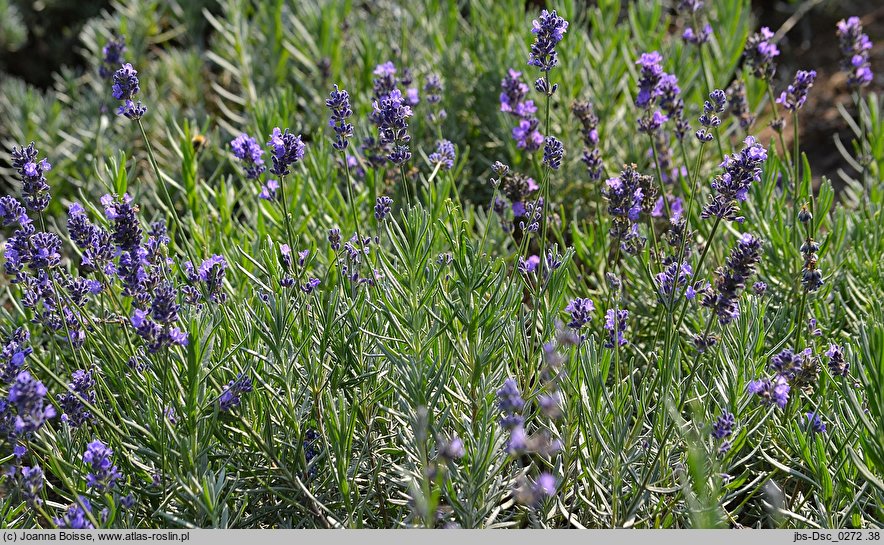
{"x":34,"y":189}
{"x":731,"y":279}
{"x":433,"y":88}
{"x":286,"y":150}
{"x":125,"y":87}
{"x":716,"y":104}
{"x":113,"y":57}
{"x":76,"y":517}
{"x":855,"y":47}
{"x":103,"y":474}
{"x":794,"y":97}
{"x":234,"y":389}
{"x":589,"y":123}
{"x":739,"y":104}
{"x":390,"y":114}
{"x":629,"y":195}
{"x":732,"y":187}
{"x":339,"y":104}
{"x":790,"y":370}
{"x":722,"y":429}
{"x":518,"y":190}
{"x":615,"y":325}
{"x":548,"y":30}
{"x":27,"y":396}
{"x":247,"y":150}
{"x":81,"y":390}
{"x":12,"y":357}
{"x":444,"y":155}
{"x":513,"y":101}
{"x":760,"y":52}
{"x":838,"y":366}
{"x":657,"y":88}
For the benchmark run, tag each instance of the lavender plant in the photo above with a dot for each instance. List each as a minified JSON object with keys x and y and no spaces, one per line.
{"x":342,"y":325}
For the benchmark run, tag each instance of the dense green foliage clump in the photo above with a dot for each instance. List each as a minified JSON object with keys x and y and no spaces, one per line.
{"x":484,"y":334}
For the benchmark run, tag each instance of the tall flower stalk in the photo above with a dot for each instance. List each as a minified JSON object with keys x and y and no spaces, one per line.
{"x":548,"y":29}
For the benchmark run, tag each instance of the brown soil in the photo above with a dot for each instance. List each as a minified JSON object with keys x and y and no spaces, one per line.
{"x":812,"y":44}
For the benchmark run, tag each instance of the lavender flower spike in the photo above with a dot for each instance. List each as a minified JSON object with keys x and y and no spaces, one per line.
{"x":549,"y":29}
{"x":795,"y":95}
{"x":855,"y":47}
{"x":339,"y":104}
{"x":288,"y":149}
{"x":125,"y":87}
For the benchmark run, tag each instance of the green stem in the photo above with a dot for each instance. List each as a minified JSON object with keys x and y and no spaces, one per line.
{"x":697,"y":273}
{"x":284,"y":207}
{"x":171,"y":204}
{"x":778,"y":121}
{"x":695,"y":176}
{"x":707,"y":78}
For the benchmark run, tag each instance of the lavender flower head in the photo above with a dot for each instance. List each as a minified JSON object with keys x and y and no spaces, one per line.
{"x":433,"y":91}
{"x":795,"y":95}
{"x":246,"y":149}
{"x":697,"y":38}
{"x":386,"y":80}
{"x":814,"y":423}
{"x":723,"y":426}
{"x":581,"y":311}
{"x":13,"y":355}
{"x":513,"y":102}
{"x":126,"y":232}
{"x":95,"y":243}
{"x":12,"y":213}
{"x":103,"y":474}
{"x":288,"y":149}
{"x":268,"y":190}
{"x":589,"y":122}
{"x":211,"y":273}
{"x":27,"y":395}
{"x":786,"y":363}
{"x":760,"y":52}
{"x":548,"y":30}
{"x":553,"y":152}
{"x":649,"y":77}
{"x":545,"y":486}
{"x":732,"y":278}
{"x":76,"y":517}
{"x":709,"y":120}
{"x":510,"y":403}
{"x":30,"y":483}
{"x":452,"y":449}
{"x":230,"y":397}
{"x":838,"y":366}
{"x":113,"y":57}
{"x":740,"y":104}
{"x":629,"y":195}
{"x":855,"y":47}
{"x":391,"y":115}
{"x":655,"y":85}
{"x":382,"y":207}
{"x":339,"y":104}
{"x":81,"y":388}
{"x":444,"y":155}
{"x":31,"y":172}
{"x":125,"y":87}
{"x":771,"y":392}
{"x":674,"y":276}
{"x":615,"y":325}
{"x":732,"y":187}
